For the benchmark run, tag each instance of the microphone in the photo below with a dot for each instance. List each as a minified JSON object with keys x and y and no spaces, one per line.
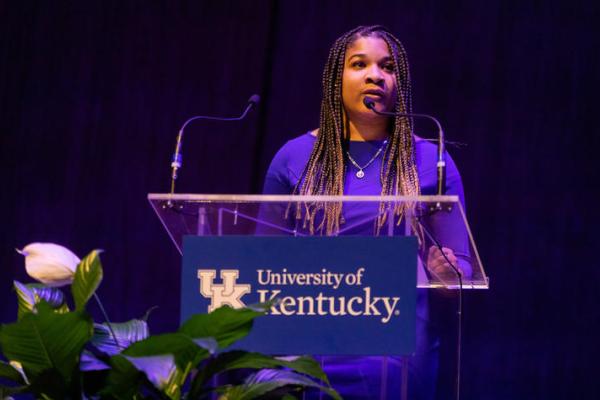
{"x":441,"y":159}
{"x":177,"y":160}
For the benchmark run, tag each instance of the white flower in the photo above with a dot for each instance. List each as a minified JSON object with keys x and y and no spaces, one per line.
{"x":50,"y":263}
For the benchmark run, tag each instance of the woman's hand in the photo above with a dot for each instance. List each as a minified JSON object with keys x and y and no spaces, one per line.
{"x":438,"y":264}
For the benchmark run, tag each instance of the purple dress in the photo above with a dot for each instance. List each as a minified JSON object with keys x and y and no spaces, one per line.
{"x":361,"y":377}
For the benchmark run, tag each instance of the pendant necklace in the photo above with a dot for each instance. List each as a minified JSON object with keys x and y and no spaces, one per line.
{"x":360,"y":173}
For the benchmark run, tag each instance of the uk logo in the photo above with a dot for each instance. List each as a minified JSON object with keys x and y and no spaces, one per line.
{"x":228,"y":293}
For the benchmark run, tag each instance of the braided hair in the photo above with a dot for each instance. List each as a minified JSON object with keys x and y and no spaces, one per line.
{"x":325,"y":170}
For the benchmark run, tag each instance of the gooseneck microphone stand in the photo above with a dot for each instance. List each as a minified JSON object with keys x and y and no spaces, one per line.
{"x":441,"y":190}
{"x":441,"y":159}
{"x":177,"y":160}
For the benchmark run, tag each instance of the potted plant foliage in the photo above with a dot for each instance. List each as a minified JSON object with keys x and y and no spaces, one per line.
{"x":56,"y":351}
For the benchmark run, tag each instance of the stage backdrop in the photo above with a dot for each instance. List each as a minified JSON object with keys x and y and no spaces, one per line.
{"x":93,"y":93}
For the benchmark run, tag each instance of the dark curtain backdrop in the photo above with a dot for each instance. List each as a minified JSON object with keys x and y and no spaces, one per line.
{"x":93,"y":93}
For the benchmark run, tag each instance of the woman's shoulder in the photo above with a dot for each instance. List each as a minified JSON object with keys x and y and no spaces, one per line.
{"x":295,"y":148}
{"x":306,"y":140}
{"x":288,"y":163}
{"x":294,"y":153}
{"x":422,"y":144}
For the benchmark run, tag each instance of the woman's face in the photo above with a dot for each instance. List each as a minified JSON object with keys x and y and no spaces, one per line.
{"x":368,"y":72}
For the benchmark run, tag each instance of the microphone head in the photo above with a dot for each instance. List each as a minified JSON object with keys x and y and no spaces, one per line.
{"x":254,"y":99}
{"x":369,"y":103}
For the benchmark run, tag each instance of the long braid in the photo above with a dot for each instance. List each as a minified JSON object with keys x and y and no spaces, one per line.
{"x":325,"y":170}
{"x":402,"y":178}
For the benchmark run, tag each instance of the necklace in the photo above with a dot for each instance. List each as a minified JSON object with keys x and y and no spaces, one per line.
{"x":360,"y":173}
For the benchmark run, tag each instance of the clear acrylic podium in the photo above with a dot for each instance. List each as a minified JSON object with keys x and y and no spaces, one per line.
{"x":438,"y":221}
{"x":441,"y":220}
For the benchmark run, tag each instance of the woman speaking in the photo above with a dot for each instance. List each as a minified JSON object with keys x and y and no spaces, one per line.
{"x":355,"y":151}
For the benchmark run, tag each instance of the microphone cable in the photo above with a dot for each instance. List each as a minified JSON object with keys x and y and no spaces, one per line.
{"x":459,"y":308}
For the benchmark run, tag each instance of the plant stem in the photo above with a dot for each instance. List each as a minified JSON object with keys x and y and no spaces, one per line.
{"x":107,"y":321}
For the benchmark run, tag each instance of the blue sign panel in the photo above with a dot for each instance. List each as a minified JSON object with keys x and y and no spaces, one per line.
{"x":348,"y":295}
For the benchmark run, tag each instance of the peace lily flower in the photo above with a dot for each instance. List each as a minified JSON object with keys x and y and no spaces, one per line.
{"x":50,"y":263}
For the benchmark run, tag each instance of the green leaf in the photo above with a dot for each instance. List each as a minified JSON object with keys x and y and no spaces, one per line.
{"x":30,"y":294}
{"x":8,"y":372}
{"x":25,"y":298}
{"x":272,"y":377}
{"x":305,"y":365}
{"x":209,"y":344}
{"x":50,"y":384}
{"x":6,"y":391}
{"x":88,"y":276}
{"x":238,"y":359}
{"x":62,"y":309}
{"x":123,"y":381}
{"x":46,"y":340}
{"x":181,"y":346}
{"x":187,"y":354}
{"x":89,"y":362}
{"x":51,"y":295}
{"x":126,"y":332}
{"x":267,"y":380}
{"x":160,"y":370}
{"x":226,"y":325}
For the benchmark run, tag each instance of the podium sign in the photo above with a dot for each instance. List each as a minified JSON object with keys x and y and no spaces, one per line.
{"x":351,"y":295}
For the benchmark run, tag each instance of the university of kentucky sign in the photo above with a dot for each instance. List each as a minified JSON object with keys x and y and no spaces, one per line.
{"x":335,"y":295}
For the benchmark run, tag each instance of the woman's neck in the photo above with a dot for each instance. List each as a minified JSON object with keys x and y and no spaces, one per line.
{"x":362,"y":131}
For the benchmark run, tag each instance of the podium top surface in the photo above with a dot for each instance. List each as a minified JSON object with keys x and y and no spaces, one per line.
{"x":271,"y":198}
{"x":438,"y":221}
